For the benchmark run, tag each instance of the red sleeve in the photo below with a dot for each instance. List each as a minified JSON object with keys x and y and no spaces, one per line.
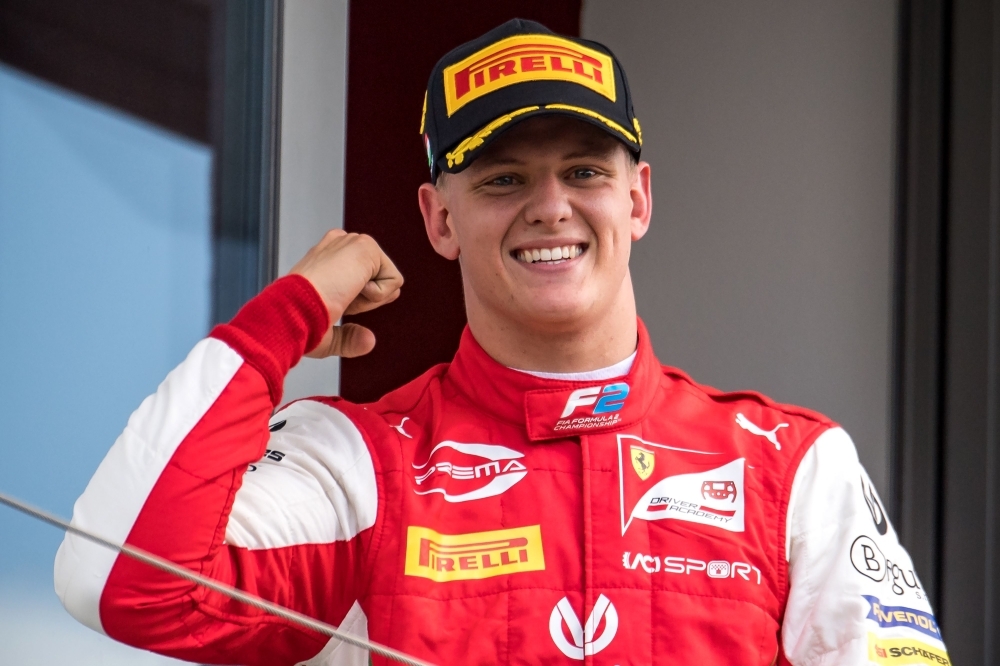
{"x":169,"y":484}
{"x":276,"y":329}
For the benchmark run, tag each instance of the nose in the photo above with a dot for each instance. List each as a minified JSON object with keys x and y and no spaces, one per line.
{"x":548,"y":203}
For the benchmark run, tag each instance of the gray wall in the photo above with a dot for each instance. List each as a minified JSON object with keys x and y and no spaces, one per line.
{"x":313,"y":112}
{"x":770,"y":130}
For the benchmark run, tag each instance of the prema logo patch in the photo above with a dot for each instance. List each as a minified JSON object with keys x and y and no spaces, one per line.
{"x":462,"y":472}
{"x":709,"y":493}
{"x":447,"y":557}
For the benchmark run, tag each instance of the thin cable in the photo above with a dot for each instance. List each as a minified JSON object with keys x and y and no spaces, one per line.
{"x":221,"y":588}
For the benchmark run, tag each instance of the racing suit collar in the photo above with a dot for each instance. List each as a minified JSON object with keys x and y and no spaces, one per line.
{"x":554,"y":408}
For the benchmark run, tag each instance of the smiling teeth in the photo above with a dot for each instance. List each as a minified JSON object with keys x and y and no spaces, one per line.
{"x":553,"y":254}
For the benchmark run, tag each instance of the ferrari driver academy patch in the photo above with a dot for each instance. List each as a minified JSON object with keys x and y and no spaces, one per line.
{"x":660,"y":482}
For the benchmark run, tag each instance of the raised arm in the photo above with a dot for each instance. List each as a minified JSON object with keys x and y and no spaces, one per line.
{"x":174,"y":481}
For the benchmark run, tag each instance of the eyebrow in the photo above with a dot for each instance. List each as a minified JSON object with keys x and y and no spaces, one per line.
{"x":604,"y":152}
{"x":489,"y":160}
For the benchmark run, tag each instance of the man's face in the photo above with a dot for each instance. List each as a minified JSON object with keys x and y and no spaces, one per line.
{"x":542,"y":222}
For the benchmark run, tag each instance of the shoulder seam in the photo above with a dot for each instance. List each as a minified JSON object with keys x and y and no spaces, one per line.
{"x":435,"y":372}
{"x":717,"y":396}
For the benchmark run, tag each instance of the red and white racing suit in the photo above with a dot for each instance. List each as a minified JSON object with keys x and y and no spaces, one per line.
{"x":483,"y":515}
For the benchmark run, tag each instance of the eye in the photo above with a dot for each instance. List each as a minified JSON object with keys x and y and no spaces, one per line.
{"x":503,"y":181}
{"x":584,"y":173}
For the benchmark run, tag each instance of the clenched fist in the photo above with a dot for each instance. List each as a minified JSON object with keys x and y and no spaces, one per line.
{"x":351,"y":274}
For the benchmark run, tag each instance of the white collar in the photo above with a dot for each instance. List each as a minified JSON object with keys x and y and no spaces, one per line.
{"x":619,"y":369}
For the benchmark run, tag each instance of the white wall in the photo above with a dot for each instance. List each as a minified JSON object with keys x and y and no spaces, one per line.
{"x":314,"y":80}
{"x":770,"y":130}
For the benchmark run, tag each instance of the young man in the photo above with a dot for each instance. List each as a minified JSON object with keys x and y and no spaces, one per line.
{"x":554,"y":495}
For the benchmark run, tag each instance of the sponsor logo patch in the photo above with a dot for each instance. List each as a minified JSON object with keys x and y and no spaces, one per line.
{"x":869,"y":561}
{"x":904,"y":651}
{"x":708,"y":494}
{"x":607,"y":401}
{"x":643,"y":460}
{"x":687,"y":565}
{"x":583,"y":640}
{"x":462,"y":472}
{"x":526,"y":58}
{"x":447,"y":557}
{"x":901,"y":616}
{"x":751,"y":427}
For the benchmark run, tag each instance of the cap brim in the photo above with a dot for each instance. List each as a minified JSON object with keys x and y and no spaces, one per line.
{"x":462,"y":155}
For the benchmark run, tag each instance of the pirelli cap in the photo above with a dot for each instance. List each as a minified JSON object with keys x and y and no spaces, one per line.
{"x":516,"y":71}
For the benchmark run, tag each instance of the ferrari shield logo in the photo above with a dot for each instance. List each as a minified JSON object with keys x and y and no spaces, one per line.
{"x":642,"y":461}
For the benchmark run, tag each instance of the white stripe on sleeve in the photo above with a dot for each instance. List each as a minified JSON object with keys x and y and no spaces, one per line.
{"x":315,"y":484}
{"x":117,"y":492}
{"x":849,"y":578}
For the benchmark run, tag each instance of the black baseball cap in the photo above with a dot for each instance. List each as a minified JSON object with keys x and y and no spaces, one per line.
{"x":516,"y":71}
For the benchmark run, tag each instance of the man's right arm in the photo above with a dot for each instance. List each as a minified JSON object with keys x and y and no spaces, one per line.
{"x":170,"y":485}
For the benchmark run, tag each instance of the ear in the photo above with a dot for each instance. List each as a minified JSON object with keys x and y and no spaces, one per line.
{"x":437,"y":221}
{"x":642,"y":200}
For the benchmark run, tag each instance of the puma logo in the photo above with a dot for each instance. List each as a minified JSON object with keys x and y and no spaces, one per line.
{"x":399,"y":428}
{"x":769,"y":435}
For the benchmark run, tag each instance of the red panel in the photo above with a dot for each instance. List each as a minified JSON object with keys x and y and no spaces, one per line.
{"x":393,"y":46}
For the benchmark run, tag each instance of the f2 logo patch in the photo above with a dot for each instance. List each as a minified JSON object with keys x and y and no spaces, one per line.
{"x":609,"y":398}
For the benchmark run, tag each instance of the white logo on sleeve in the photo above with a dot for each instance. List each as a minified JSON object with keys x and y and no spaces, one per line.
{"x":462,"y":472}
{"x":585,"y":642}
{"x":753,"y":428}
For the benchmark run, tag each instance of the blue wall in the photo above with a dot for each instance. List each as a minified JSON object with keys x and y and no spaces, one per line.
{"x":105,"y":269}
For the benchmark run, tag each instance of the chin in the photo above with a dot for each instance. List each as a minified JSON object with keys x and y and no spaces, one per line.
{"x":557,"y":311}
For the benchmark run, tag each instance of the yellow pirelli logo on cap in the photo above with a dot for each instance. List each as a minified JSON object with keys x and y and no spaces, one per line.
{"x":905,"y":651}
{"x":446,"y":557}
{"x":527,"y":58}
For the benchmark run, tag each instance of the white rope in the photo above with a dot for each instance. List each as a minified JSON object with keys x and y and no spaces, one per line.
{"x":221,"y":588}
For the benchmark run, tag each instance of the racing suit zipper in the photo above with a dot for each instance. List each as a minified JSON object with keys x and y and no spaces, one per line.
{"x":588,"y":543}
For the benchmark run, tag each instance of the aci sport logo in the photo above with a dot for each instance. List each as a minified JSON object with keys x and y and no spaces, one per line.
{"x":607,"y":400}
{"x":690,"y":485}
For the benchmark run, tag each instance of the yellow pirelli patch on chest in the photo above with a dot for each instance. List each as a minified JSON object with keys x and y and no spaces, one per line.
{"x":527,"y":58}
{"x":447,"y":557}
{"x":905,"y":651}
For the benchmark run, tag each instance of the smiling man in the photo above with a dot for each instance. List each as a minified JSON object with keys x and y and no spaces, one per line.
{"x":553,"y":495}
